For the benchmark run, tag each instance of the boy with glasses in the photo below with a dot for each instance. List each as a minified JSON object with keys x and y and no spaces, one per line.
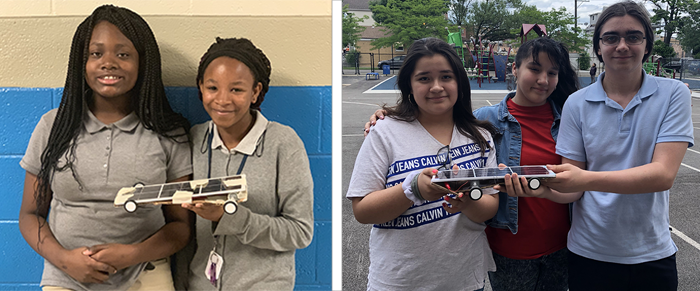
{"x":622,"y":141}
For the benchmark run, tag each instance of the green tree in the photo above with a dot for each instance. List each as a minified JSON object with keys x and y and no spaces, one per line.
{"x":408,"y":20}
{"x":663,"y":50}
{"x":689,"y":35}
{"x":671,"y":13}
{"x":584,"y":61}
{"x":351,"y":27}
{"x":557,"y":23}
{"x":352,"y":57}
{"x":493,"y":19}
{"x":459,"y":9}
{"x":378,"y":18}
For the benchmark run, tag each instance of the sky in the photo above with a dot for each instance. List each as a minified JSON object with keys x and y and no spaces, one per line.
{"x":584,"y":9}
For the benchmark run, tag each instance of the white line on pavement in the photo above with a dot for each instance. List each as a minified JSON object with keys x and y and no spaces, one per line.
{"x":692,"y":150}
{"x":360,"y":103}
{"x":676,"y":231}
{"x":690,"y":167}
{"x":383,"y":91}
{"x":353,"y":135}
{"x":685,"y":237}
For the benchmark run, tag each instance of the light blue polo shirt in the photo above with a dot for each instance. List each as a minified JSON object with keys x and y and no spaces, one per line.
{"x":622,"y":228}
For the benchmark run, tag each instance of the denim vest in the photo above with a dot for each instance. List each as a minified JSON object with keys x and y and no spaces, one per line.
{"x":509,"y":144}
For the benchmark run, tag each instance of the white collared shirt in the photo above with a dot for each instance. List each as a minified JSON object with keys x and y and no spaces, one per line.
{"x":249,"y":141}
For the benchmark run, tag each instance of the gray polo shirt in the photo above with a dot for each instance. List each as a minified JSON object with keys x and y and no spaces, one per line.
{"x":107,"y":158}
{"x":259,"y":241}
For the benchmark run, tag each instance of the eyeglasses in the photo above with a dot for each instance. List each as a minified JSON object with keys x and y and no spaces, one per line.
{"x":631,"y":39}
{"x":443,"y":157}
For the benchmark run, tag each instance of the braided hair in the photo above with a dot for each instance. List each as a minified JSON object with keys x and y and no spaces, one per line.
{"x":243,"y":50}
{"x":148,"y":98}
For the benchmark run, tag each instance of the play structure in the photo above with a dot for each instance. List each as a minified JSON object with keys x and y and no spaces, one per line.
{"x":480,"y":56}
{"x":653,"y":67}
{"x":487,"y":58}
{"x":455,"y":39}
{"x":481,"y":52}
{"x":537,"y":28}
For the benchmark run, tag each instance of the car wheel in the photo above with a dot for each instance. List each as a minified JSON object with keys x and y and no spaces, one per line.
{"x":230,"y":207}
{"x":475,"y":194}
{"x":534,"y":183}
{"x":130,"y":206}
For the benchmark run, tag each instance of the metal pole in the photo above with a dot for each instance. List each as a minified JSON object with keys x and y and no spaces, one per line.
{"x":392,"y":59}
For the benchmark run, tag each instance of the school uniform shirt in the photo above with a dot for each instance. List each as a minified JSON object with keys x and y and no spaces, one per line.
{"x":107,"y":158}
{"x":623,"y":228}
{"x":425,"y":248}
{"x":259,"y":241}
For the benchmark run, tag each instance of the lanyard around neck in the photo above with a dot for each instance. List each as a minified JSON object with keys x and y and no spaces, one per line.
{"x":210,"y":139}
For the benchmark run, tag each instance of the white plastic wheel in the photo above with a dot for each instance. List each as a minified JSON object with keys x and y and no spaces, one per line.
{"x":534,"y":183}
{"x":475,"y":193}
{"x":230,"y":207}
{"x":130,"y":206}
{"x":139,"y":184}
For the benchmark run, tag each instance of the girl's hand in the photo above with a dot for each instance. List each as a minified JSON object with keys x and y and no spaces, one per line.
{"x":84,"y":268}
{"x":429,"y":191}
{"x":476,"y":210}
{"x":208,"y":211}
{"x":517,"y":187}
{"x":379,"y":114}
{"x":452,"y":205}
{"x":119,"y":256}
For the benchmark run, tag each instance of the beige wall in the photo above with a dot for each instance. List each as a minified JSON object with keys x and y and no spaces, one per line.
{"x":296,"y":35}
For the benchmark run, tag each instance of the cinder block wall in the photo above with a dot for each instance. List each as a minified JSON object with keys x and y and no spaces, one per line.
{"x":295,"y":35}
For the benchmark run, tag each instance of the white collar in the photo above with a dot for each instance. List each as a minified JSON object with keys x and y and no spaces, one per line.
{"x":248,"y":143}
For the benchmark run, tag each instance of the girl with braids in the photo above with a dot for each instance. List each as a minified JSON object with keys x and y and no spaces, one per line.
{"x":252,"y":249}
{"x":418,"y":242}
{"x":113,"y":128}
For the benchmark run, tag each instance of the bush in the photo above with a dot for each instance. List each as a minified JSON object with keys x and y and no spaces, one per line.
{"x":584,"y":61}
{"x":350,"y":57}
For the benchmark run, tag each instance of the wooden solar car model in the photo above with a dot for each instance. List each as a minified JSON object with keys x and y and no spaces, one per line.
{"x":458,"y":180}
{"x":227,"y":191}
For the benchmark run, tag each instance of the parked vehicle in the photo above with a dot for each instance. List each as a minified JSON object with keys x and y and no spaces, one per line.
{"x":394,"y":63}
{"x":693,"y":67}
{"x":674,"y":65}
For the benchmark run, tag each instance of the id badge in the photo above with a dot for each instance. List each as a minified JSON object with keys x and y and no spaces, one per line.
{"x":213,"y":269}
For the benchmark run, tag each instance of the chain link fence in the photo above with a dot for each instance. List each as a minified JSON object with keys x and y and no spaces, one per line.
{"x":690,"y":73}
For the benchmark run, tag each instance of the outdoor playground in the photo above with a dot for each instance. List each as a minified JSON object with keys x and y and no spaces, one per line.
{"x":488,"y":64}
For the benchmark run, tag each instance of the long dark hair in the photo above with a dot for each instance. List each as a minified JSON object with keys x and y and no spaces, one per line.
{"x":558,"y":54}
{"x":621,"y":9}
{"x":148,"y":98}
{"x":462,"y":115}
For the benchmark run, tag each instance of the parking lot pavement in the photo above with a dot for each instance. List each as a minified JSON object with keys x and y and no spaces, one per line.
{"x":357,"y":107}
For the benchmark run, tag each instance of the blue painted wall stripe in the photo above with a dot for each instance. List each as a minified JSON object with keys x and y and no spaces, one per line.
{"x":307,"y":109}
